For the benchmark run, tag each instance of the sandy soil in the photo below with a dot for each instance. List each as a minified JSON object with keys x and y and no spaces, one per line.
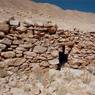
{"x":66,"y":19}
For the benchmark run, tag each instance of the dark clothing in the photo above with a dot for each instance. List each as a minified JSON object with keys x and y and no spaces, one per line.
{"x":63,"y":58}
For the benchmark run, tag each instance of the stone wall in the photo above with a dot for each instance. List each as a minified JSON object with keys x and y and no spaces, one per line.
{"x":24,"y":46}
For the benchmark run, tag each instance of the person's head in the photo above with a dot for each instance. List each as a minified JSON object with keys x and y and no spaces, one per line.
{"x":62,"y":48}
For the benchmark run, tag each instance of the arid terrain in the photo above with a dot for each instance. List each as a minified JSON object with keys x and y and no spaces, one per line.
{"x":64,"y":18}
{"x":31,"y":36}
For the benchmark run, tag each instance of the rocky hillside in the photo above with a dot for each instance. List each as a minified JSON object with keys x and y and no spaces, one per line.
{"x":26,"y":8}
{"x":66,"y":19}
{"x":29,"y":53}
{"x":31,"y":36}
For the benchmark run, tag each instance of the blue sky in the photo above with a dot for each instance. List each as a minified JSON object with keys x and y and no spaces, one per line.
{"x":82,"y":5}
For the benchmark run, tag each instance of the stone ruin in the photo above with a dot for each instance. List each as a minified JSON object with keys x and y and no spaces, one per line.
{"x":24,"y":46}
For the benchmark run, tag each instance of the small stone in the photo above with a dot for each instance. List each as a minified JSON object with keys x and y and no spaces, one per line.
{"x":16,"y":42}
{"x":8,"y":54}
{"x":42,"y":58}
{"x":75,"y":50}
{"x":14,"y":46}
{"x":41,"y":34}
{"x":19,"y":55}
{"x":54,"y":53}
{"x":52,"y":30}
{"x":2,"y":47}
{"x":21,"y":28}
{"x":26,"y":45}
{"x":29,"y":54}
{"x":6,"y":41}
{"x":20,"y":49}
{"x":49,"y":56}
{"x":9,"y":49}
{"x":14,"y":23}
{"x":4,"y":27}
{"x":39,"y":49}
{"x":54,"y":61}
{"x":2,"y":34}
{"x":44,"y":64}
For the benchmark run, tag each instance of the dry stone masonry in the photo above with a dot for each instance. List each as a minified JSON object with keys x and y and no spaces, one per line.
{"x":33,"y":47}
{"x":40,"y":43}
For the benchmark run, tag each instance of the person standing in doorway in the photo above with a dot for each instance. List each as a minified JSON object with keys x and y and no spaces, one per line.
{"x":63,"y":58}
